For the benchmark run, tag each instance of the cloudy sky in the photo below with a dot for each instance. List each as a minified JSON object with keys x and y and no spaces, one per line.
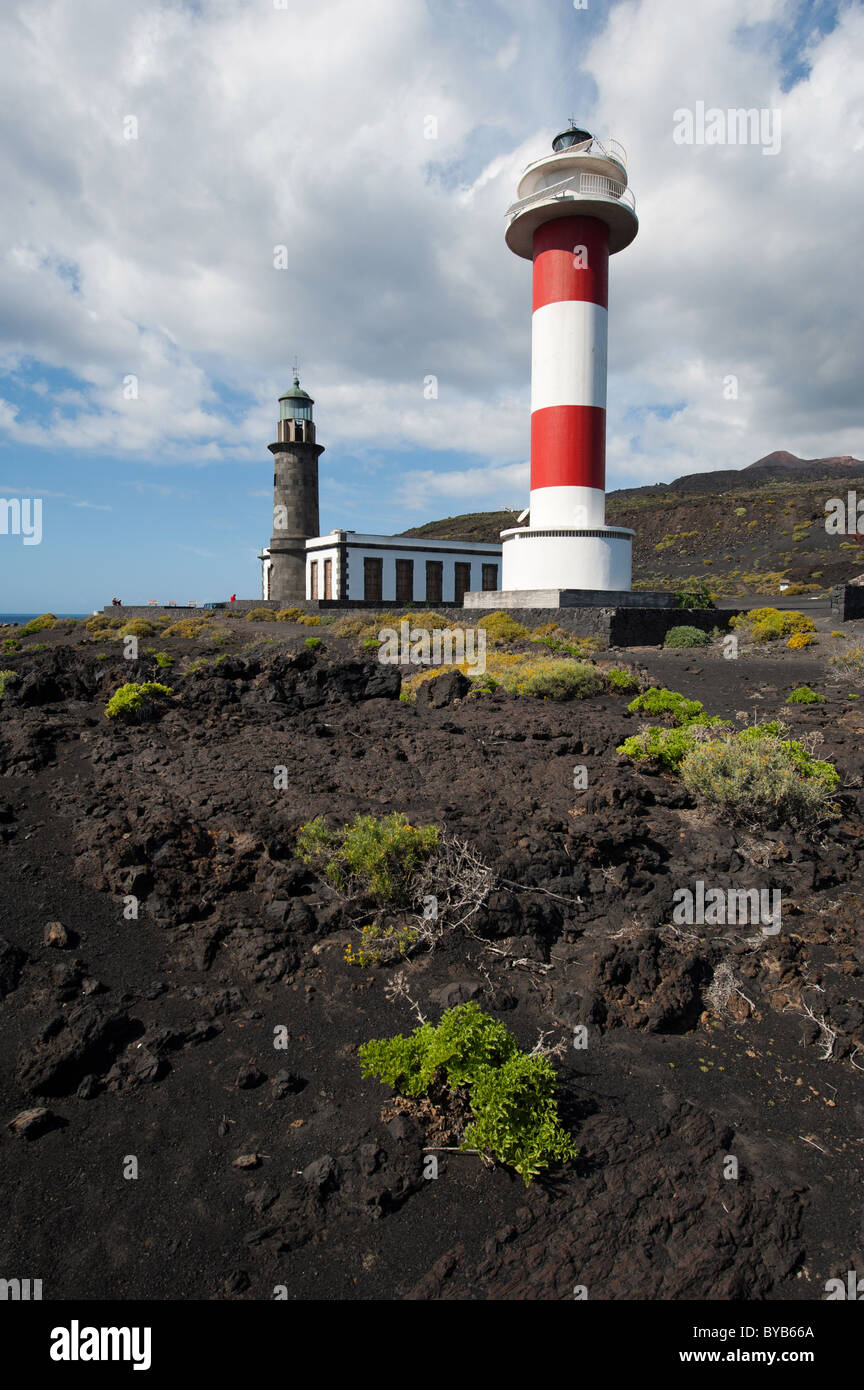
{"x":156,"y":155}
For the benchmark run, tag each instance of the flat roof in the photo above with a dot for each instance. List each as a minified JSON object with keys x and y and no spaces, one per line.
{"x":400,"y":542}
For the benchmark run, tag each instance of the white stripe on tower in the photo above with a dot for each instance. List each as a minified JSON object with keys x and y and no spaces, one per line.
{"x":568,"y":373}
{"x":568,"y":354}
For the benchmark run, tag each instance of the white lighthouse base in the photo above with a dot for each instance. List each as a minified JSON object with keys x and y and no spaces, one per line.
{"x":599,"y":558}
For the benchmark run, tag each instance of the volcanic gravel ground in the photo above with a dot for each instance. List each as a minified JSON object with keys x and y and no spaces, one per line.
{"x":154,"y":1038}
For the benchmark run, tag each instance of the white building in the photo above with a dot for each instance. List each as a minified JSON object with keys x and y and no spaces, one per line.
{"x":347,"y":566}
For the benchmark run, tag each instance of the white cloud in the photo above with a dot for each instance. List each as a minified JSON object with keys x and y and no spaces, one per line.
{"x":473,"y":488}
{"x":305,"y":127}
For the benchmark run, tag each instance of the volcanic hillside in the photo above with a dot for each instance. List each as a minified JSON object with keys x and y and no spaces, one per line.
{"x":742,"y":531}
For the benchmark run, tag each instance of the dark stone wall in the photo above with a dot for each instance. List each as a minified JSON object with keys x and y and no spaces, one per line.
{"x":647,"y":627}
{"x":847,"y":601}
{"x":295,"y":488}
{"x":620,"y":627}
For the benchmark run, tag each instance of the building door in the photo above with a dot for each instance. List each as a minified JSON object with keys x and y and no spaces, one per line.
{"x":434,"y":581}
{"x":490,"y":577}
{"x":313,"y":578}
{"x":404,"y":581}
{"x":462,"y":582}
{"x":328,"y":578}
{"x":372,"y":578}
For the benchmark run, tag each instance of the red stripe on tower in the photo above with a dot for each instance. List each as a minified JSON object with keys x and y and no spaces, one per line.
{"x":568,"y":447}
{"x":571,"y":261}
{"x":568,"y":372}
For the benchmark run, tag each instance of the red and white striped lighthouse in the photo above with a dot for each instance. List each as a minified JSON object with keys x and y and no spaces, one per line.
{"x":575,"y":209}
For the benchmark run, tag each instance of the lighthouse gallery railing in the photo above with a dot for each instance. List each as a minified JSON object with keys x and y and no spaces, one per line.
{"x":578,"y":185}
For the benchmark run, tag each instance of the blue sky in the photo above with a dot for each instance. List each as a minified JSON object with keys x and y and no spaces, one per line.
{"x":154,"y":156}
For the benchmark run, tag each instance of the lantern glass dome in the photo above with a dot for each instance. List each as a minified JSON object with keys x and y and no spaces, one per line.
{"x":573,"y":135}
{"x":296,"y":404}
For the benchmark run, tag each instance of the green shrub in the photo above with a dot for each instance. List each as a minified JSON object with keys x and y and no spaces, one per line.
{"x":803,"y":695}
{"x":658,"y":701}
{"x":138,"y":627}
{"x":620,"y":680}
{"x":135,"y":701}
{"x":511,"y":1093}
{"x":558,"y":680}
{"x":164,"y":660}
{"x":666,"y":747}
{"x":501,"y":627}
{"x":694,"y":594}
{"x":37,"y":624}
{"x":267,"y":615}
{"x":770,"y":624}
{"x":686,"y":637}
{"x":382,"y":943}
{"x":313,"y":643}
{"x":375,"y":856}
{"x":38,"y":647}
{"x":98,"y":622}
{"x":186,"y":627}
{"x":8,"y":678}
{"x":10,"y":644}
{"x":761,"y":778}
{"x":558,"y":639}
{"x":482,"y":685}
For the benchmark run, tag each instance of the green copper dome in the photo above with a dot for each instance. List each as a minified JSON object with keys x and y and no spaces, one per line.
{"x":296,"y":393}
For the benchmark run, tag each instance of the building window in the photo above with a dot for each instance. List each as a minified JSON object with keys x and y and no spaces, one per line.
{"x":462,"y":582}
{"x":490,"y":577}
{"x":404,"y":581}
{"x":434,"y":581}
{"x":372,"y":579}
{"x":328,"y":578}
{"x":313,"y":579}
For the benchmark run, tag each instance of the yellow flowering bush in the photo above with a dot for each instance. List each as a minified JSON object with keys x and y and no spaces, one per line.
{"x":522,"y":673}
{"x":770,"y":624}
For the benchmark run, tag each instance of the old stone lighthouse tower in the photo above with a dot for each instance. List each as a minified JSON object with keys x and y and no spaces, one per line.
{"x":295,"y":495}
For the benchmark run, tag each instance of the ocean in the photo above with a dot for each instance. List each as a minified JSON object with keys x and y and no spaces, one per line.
{"x":25,"y":617}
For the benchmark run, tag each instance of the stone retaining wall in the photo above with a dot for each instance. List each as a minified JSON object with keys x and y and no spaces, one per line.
{"x":619,"y":627}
